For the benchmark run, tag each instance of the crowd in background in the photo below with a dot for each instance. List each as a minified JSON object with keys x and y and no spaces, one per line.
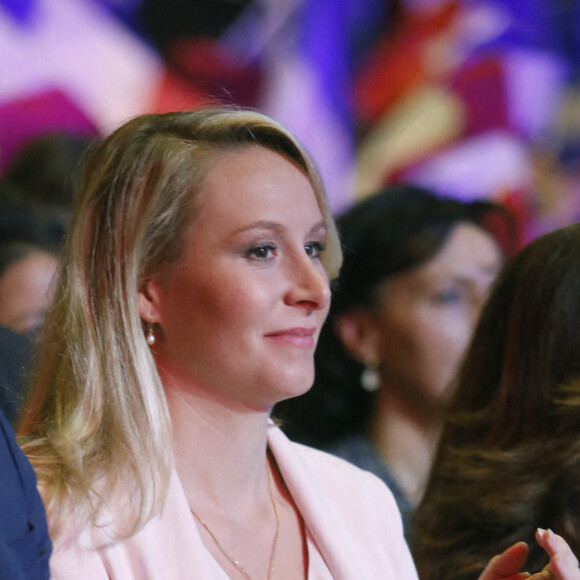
{"x":473,"y":98}
{"x":473,"y":102}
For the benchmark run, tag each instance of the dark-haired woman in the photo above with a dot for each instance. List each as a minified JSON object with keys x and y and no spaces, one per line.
{"x":417,"y":268}
{"x":509,"y":458}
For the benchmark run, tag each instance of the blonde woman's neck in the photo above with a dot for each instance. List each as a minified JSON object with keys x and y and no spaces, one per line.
{"x":220,"y":453}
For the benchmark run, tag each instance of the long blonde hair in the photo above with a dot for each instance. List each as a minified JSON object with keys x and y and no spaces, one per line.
{"x":96,"y":422}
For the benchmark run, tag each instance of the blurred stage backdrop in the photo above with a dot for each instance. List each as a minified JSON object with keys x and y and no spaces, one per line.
{"x":472,"y":98}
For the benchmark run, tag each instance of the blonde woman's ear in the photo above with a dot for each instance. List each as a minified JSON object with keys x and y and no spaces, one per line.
{"x":148,"y":298}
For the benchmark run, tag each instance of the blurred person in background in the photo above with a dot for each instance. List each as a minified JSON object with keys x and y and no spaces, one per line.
{"x":36,"y":197}
{"x":14,"y":361}
{"x":36,"y":200}
{"x":417,"y":268}
{"x":509,"y":456}
{"x":29,"y":261}
{"x":25,"y":546}
{"x":42,"y":178}
{"x":27,"y":273}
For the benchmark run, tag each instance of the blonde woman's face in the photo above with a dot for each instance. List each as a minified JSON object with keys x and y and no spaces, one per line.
{"x":239,"y":317}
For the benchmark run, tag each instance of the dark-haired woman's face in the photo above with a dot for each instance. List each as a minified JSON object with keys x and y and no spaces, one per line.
{"x":425,"y":317}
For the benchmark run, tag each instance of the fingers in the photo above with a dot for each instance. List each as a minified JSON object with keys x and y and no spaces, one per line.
{"x":506,"y":565}
{"x":563,"y":563}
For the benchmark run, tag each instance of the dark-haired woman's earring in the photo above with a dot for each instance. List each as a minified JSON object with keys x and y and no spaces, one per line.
{"x":150,"y":335}
{"x":370,"y":379}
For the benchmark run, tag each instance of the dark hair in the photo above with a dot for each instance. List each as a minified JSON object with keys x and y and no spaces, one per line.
{"x":47,"y":168}
{"x":37,"y":189}
{"x":509,"y":457}
{"x":399,"y":228}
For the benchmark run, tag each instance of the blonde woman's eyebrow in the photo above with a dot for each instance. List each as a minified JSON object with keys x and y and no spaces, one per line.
{"x":278,"y":227}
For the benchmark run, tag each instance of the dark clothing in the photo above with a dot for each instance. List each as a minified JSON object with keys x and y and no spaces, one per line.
{"x":14,"y":358}
{"x":25,"y":547}
{"x":359,"y":451}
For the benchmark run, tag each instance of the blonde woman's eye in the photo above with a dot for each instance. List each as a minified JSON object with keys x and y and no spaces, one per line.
{"x":264,"y":252}
{"x":315,"y":249}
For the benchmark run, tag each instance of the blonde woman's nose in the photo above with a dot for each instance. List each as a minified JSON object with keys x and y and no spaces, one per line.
{"x":308,"y":285}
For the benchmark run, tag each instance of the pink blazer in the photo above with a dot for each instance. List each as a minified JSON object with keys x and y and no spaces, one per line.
{"x":350,"y":515}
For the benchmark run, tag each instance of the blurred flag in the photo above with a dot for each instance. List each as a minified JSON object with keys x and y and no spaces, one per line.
{"x":79,"y":51}
{"x":304,"y":53}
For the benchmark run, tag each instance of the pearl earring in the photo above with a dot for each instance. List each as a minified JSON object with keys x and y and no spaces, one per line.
{"x":150,"y":335}
{"x":370,"y":379}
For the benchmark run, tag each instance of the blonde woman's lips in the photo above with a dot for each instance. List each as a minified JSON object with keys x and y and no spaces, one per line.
{"x":297,"y":336}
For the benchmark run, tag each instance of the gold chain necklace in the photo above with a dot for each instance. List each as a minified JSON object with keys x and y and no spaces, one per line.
{"x":230,"y":558}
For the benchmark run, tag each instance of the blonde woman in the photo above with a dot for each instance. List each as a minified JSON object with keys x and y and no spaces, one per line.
{"x":192,"y":295}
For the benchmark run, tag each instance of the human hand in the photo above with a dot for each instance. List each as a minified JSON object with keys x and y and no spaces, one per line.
{"x":563,"y":564}
{"x":505,"y":566}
